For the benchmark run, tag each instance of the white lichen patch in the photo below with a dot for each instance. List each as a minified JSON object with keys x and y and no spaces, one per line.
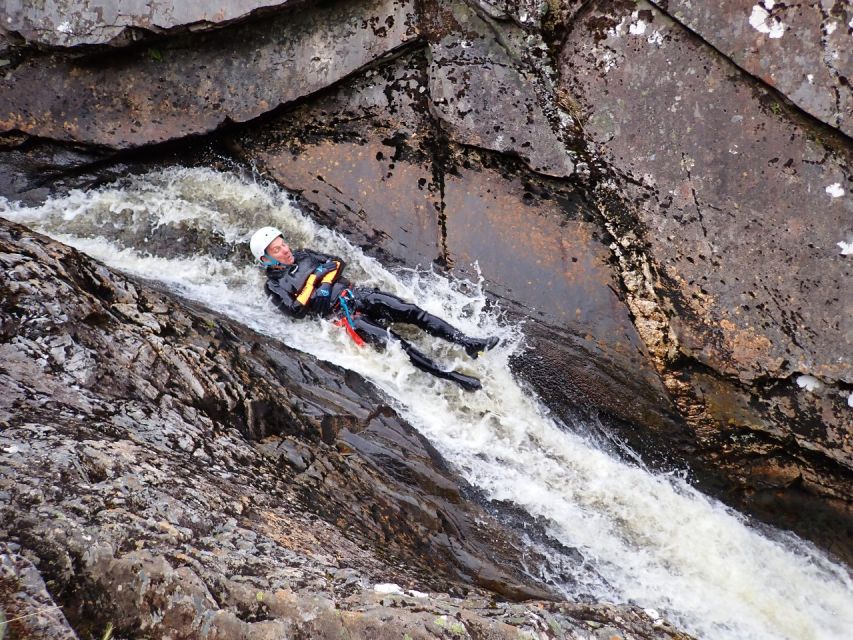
{"x":846,"y":248}
{"x":810,"y":78}
{"x":656,"y":38}
{"x":761,"y":20}
{"x":616,"y":31}
{"x":387,"y":587}
{"x":809,"y":383}
{"x":638,"y":28}
{"x":65,"y":27}
{"x":831,"y":27}
{"x":835,"y":190}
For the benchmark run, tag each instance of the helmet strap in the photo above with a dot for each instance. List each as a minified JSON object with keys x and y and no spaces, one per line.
{"x":272,"y":261}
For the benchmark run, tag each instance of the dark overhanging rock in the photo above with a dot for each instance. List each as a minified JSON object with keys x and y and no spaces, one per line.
{"x":71,"y":23}
{"x":195,"y":84}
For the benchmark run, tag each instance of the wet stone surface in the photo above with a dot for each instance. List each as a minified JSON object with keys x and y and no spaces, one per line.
{"x":171,"y":473}
{"x":370,"y":161}
{"x":68,"y":23}
{"x":803,"y":49}
{"x":741,"y":209}
{"x":198,"y":83}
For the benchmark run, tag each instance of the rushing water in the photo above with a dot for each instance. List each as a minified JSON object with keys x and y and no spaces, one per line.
{"x":645,"y":538}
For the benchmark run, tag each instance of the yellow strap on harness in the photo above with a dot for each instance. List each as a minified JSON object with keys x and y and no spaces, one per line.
{"x":311,"y":283}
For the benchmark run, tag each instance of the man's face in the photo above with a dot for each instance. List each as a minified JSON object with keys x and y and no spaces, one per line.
{"x":279,"y":250}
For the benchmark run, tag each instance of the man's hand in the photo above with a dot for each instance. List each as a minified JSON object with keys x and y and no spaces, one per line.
{"x":325,"y":268}
{"x":321,"y":301}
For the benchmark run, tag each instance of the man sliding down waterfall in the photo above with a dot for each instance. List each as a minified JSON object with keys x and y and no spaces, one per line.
{"x":303,"y":282}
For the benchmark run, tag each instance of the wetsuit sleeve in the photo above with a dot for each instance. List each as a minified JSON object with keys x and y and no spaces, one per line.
{"x":284,"y":300}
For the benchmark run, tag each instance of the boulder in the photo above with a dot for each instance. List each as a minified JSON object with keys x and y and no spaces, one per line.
{"x":197,"y":83}
{"x":802,"y":49}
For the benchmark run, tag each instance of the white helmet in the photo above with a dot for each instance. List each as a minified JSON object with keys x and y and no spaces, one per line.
{"x":261,"y":239}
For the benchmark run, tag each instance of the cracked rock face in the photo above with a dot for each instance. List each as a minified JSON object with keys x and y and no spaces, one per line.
{"x":485,"y":98}
{"x":173,"y":474}
{"x":734,"y":196}
{"x":196,"y":84}
{"x":68,"y":23}
{"x":803,"y":49}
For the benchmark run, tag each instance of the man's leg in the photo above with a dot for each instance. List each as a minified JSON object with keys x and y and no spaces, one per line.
{"x":378,"y":336}
{"x":378,"y":304}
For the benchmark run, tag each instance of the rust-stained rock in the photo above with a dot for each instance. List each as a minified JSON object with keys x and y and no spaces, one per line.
{"x":486,"y":96}
{"x":197,"y":83}
{"x":747,"y":206}
{"x":734,"y":208}
{"x":69,"y":23}
{"x":803,"y":49}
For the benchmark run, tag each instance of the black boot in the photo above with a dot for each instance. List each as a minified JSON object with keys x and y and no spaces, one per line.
{"x":424,"y":363}
{"x":469,"y":383}
{"x":475,"y":346}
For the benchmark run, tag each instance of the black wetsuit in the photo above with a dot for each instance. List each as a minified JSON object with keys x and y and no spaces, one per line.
{"x":372,"y":310}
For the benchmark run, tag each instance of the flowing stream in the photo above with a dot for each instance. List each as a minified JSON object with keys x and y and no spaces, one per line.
{"x":644,"y":538}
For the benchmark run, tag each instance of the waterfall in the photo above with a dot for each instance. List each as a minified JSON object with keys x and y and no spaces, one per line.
{"x":635,"y":536}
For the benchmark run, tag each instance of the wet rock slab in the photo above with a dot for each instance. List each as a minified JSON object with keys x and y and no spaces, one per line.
{"x":803,"y":49}
{"x":741,"y":205}
{"x":195,"y":84}
{"x":69,"y":23}
{"x":370,"y":161}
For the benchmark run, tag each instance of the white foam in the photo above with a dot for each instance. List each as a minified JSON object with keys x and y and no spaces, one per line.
{"x":649,"y":539}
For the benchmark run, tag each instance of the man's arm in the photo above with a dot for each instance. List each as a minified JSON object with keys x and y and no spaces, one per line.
{"x":284,"y":300}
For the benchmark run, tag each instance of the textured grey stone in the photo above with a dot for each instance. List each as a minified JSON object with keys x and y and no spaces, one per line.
{"x":68,"y":23}
{"x":197,"y":84}
{"x":486,"y":98}
{"x":803,"y":49}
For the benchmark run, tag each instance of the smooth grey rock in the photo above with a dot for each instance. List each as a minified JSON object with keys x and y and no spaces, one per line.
{"x":197,"y":83}
{"x":68,"y":23}
{"x":803,"y":49}
{"x":486,"y":98}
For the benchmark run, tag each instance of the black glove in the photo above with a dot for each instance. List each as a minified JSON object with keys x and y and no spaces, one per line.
{"x":325,"y":268}
{"x":321,"y":301}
